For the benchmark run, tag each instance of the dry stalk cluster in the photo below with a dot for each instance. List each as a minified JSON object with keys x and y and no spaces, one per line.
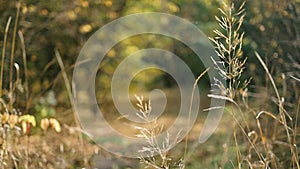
{"x":253,"y":146}
{"x":157,"y":153}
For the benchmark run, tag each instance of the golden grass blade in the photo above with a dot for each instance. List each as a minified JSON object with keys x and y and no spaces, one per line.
{"x":282,"y":113}
{"x":190,"y":110}
{"x":68,"y":87}
{"x":25,"y":66}
{"x":295,"y":78}
{"x":3,"y":53}
{"x":269,"y":75}
{"x":12,"y":56}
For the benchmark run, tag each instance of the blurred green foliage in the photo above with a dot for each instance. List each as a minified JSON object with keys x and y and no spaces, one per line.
{"x":271,"y":28}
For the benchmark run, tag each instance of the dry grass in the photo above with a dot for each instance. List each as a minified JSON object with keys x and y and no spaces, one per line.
{"x":18,"y":147}
{"x":262,"y":137}
{"x":264,"y":150}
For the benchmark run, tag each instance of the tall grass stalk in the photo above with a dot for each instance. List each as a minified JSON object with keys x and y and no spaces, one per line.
{"x":3,"y":54}
{"x":153,"y":129}
{"x":12,"y":57}
{"x":190,"y":112}
{"x":228,"y":44}
{"x":283,"y":114}
{"x":68,"y":87}
{"x":149,"y":133}
{"x":25,"y":69}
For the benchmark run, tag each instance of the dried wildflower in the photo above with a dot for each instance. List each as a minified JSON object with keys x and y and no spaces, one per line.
{"x":153,"y":147}
{"x":29,"y":119}
{"x":228,"y":44}
{"x":45,"y":124}
{"x":55,"y":125}
{"x":13,"y":120}
{"x":26,"y":121}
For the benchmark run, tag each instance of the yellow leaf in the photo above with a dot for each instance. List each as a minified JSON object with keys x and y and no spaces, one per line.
{"x":85,"y":28}
{"x":172,"y":7}
{"x":108,"y":3}
{"x":71,"y":14}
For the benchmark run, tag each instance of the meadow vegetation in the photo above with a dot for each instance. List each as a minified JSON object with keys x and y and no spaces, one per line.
{"x":258,"y":43}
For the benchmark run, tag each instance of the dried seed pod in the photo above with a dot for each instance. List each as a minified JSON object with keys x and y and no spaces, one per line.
{"x":13,"y":120}
{"x":24,"y":127}
{"x":45,"y":124}
{"x":55,"y":124}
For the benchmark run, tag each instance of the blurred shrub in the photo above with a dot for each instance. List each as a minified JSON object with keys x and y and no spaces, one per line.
{"x":272,"y":28}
